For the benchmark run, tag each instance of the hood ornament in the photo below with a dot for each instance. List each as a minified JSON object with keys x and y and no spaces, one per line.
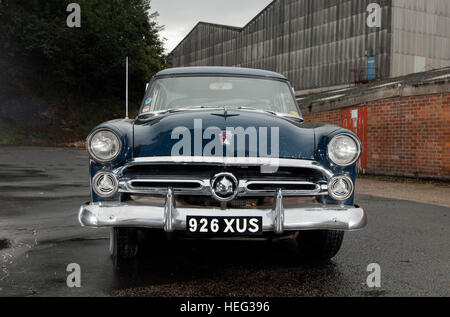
{"x":225,"y":114}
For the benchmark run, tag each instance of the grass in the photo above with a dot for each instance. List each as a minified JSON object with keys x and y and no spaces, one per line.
{"x":8,"y":138}
{"x":69,"y":125}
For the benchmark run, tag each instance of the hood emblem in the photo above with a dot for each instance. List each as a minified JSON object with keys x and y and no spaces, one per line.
{"x":224,"y":187}
{"x":227,"y":138}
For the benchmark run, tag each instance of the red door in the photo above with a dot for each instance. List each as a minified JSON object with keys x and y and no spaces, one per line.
{"x":355,"y":119}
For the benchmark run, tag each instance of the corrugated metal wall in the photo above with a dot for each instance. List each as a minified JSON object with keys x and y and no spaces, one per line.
{"x":421,"y":35}
{"x":207,"y":45}
{"x":314,"y":43}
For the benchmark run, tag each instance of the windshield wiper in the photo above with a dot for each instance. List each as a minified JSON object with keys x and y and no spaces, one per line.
{"x":194,"y":107}
{"x":260,"y":110}
{"x":278,"y":114}
{"x":151,"y":114}
{"x":156,"y":113}
{"x":248,"y":108}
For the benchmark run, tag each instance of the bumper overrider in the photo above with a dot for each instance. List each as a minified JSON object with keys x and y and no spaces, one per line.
{"x":170,"y":218}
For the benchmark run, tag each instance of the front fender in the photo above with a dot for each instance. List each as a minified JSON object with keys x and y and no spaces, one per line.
{"x":324,"y":134}
{"x":124,"y":130}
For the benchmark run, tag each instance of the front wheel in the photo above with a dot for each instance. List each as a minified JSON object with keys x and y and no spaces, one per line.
{"x":320,"y":244}
{"x":123,"y":243}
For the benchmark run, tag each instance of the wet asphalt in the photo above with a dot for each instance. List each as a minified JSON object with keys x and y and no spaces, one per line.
{"x":41,"y":190}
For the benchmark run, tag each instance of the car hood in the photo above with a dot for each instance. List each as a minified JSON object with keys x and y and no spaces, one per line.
{"x":153,"y":135}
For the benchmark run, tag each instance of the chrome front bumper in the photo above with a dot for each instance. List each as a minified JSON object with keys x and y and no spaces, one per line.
{"x":278,"y":219}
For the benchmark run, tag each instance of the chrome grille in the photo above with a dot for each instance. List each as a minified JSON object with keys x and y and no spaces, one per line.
{"x":164,"y":184}
{"x":155,"y":177}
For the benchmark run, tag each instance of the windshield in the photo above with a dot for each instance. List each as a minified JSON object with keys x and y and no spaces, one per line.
{"x":228,"y":92}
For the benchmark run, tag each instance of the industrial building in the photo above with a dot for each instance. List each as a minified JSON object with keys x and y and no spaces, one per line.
{"x":327,"y":44}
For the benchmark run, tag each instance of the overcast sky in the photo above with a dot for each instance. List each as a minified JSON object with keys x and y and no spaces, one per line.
{"x":180,"y":16}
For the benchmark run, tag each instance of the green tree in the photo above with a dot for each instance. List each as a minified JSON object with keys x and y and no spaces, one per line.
{"x":38,"y":50}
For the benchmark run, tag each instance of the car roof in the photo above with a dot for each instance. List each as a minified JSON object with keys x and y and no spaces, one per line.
{"x":206,"y":70}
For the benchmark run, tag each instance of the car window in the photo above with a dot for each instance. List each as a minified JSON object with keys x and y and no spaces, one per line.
{"x":230,"y":92}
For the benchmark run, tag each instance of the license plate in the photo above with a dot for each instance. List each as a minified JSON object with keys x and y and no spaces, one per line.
{"x":224,"y":226}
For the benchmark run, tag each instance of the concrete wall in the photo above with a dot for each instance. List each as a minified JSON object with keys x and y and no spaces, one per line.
{"x":420,"y":35}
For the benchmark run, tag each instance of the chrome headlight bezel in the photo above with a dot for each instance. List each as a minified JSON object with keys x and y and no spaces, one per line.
{"x":96,"y":157}
{"x":114,"y":180}
{"x":357,"y":153}
{"x":348,"y":182}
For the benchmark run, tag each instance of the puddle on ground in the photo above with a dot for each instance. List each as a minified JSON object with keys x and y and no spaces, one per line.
{"x":5,"y":244}
{"x":14,"y":173}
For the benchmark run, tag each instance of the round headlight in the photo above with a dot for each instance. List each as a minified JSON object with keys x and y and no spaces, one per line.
{"x":104,"y":146}
{"x":340,"y":188}
{"x":344,"y":150}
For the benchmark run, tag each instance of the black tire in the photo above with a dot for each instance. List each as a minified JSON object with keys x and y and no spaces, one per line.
{"x":320,"y":244}
{"x":123,"y":243}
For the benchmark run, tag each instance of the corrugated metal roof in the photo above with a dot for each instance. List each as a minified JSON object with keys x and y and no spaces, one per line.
{"x":417,"y":79}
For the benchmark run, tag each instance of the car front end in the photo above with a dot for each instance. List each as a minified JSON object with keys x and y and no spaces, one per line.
{"x":159,"y":173}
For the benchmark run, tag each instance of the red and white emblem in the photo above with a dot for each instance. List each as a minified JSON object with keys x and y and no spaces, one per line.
{"x":227,"y":138}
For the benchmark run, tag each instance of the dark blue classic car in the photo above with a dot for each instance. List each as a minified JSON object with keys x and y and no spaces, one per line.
{"x":222,"y":152}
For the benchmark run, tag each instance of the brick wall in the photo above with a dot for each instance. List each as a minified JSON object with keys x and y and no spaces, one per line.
{"x":407,"y":136}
